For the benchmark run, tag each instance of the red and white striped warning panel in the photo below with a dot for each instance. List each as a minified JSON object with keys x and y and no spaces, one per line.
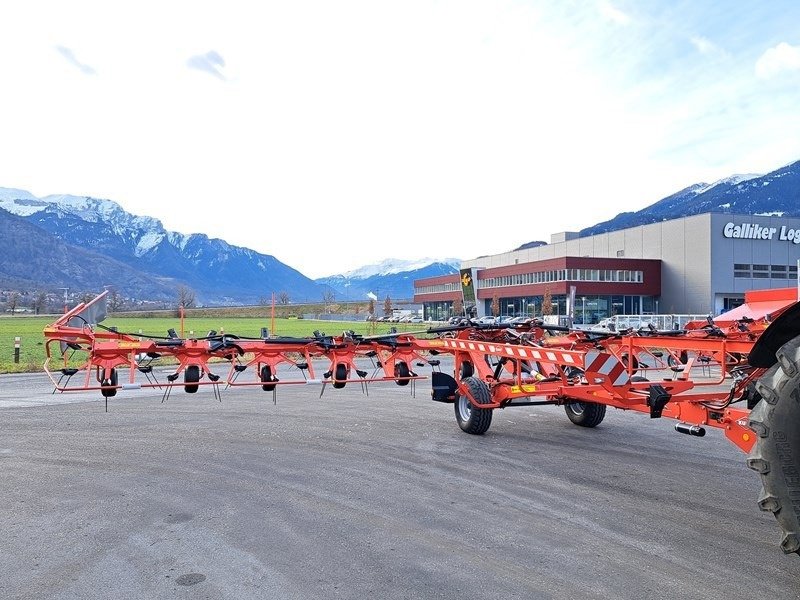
{"x":561,"y":357}
{"x":606,"y":364}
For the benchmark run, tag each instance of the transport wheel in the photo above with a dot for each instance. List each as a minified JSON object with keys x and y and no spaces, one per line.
{"x":401,"y":370}
{"x":474,"y":420}
{"x":776,"y":454}
{"x":624,"y":360}
{"x":683,"y":358}
{"x":266,"y":375}
{"x":112,"y":380}
{"x":467,"y":370}
{"x":191,"y":376}
{"x":585,"y":414}
{"x":339,"y":376}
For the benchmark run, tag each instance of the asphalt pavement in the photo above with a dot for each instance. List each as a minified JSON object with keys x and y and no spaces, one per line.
{"x":367,"y":496}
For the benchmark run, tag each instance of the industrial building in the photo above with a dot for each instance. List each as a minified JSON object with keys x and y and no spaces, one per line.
{"x":702,"y":264}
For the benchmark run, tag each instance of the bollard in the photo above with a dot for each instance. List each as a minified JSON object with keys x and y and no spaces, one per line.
{"x":16,"y":349}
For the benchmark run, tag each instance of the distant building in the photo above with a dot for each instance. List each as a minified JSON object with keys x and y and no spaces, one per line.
{"x":701,"y":264}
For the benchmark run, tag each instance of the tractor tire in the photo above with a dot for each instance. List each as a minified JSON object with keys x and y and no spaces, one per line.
{"x":585,"y":414}
{"x":475,"y":421}
{"x":401,"y":370}
{"x":339,"y":376}
{"x":266,"y":375}
{"x":191,"y":376}
{"x":112,"y":380}
{"x":776,"y":454}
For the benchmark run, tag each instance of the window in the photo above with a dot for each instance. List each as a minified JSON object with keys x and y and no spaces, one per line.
{"x":779,"y":271}
{"x":760,"y":271}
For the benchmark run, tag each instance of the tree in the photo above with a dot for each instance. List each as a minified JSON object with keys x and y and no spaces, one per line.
{"x":283,"y":298}
{"x":40,"y":302}
{"x":328,"y":297}
{"x":458,"y":306}
{"x":495,"y":305}
{"x":371,"y":308}
{"x":387,"y":306}
{"x":114,"y":301}
{"x":547,"y":302}
{"x":12,"y":302}
{"x":185,"y":297}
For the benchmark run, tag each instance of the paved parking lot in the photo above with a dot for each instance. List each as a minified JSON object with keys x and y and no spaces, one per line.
{"x":349,"y":496}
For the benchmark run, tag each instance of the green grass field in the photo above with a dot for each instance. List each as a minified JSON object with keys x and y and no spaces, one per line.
{"x":32,"y":351}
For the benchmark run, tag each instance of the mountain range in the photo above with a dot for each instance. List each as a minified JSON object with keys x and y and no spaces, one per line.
{"x":392,"y":277}
{"x":774,"y":194}
{"x":87,"y":244}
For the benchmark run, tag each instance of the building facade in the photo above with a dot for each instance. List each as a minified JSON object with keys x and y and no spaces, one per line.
{"x":701,"y":264}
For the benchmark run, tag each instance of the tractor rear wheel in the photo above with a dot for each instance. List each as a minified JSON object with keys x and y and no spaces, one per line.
{"x":776,"y":454}
{"x":585,"y":414}
{"x":475,"y":421}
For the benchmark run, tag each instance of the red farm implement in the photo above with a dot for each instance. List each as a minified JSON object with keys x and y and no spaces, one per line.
{"x":742,"y":378}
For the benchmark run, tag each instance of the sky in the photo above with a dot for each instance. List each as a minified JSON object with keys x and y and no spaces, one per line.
{"x":337,"y":134}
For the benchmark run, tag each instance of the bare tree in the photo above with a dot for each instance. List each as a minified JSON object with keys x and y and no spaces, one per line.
{"x":40,"y":302}
{"x":185,"y":297}
{"x":328,"y":297}
{"x":371,"y":308}
{"x":86,"y":297}
{"x":283,"y":298}
{"x":114,"y":301}
{"x":387,"y":307}
{"x":495,"y":305}
{"x":12,"y":302}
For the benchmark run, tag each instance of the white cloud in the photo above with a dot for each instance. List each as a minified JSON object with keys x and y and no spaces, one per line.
{"x":612,"y":13}
{"x":69,"y":55}
{"x":777,"y":60}
{"x":704,"y":45}
{"x":211,"y":62}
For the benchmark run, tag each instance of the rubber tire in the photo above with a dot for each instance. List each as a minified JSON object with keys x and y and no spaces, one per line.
{"x":475,"y":421}
{"x":585,"y":414}
{"x":467,"y":370}
{"x":776,"y":454}
{"x":191,"y":376}
{"x":112,"y":380}
{"x":624,"y":360}
{"x":266,"y":375}
{"x":401,"y":370}
{"x":683,"y":358}
{"x":341,"y":373}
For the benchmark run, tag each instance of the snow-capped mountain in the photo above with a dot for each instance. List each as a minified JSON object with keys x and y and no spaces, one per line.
{"x":35,"y":259}
{"x":218,"y":272}
{"x":776,"y":193}
{"x":391,"y":277}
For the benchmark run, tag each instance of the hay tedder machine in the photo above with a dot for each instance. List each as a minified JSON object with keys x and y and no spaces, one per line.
{"x":742,"y":377}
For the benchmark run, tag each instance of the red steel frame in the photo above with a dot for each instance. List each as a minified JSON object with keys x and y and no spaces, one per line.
{"x":516,"y":365}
